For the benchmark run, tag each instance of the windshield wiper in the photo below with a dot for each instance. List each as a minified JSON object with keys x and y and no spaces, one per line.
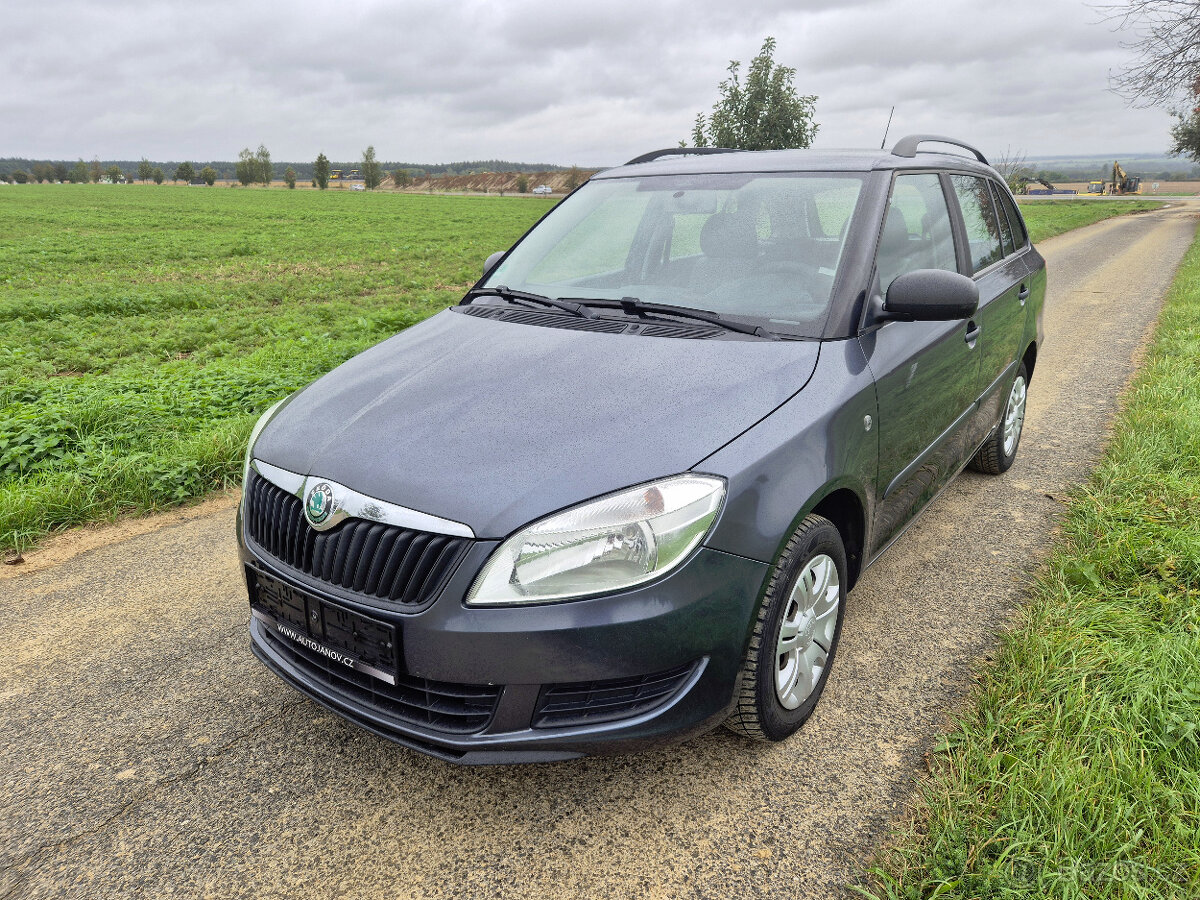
{"x":507,"y":293}
{"x":633,"y":306}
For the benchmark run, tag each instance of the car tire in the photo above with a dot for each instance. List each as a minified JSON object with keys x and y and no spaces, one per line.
{"x":795,"y":635}
{"x":998,"y":452}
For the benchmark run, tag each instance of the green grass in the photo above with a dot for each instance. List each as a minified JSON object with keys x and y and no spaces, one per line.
{"x":144,"y":328}
{"x":1047,"y":218}
{"x":1077,"y":772}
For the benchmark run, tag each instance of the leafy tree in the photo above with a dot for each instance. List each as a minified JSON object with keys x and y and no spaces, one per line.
{"x":94,"y":171}
{"x":41,"y":172}
{"x":401,"y":178}
{"x":372,"y":171}
{"x":209,"y":174}
{"x":289,"y":178}
{"x":247,"y":167}
{"x":60,"y":171}
{"x":144,"y":169}
{"x":20,"y":177}
{"x":321,"y":171}
{"x":79,"y":173}
{"x":1185,"y":133}
{"x":184,"y":172}
{"x":265,"y":173}
{"x":113,"y":174}
{"x":158,"y":175}
{"x":765,"y":113}
{"x":522,"y":184}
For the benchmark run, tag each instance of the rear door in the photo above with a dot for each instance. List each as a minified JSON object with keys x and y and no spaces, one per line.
{"x":926,"y":373}
{"x":1002,"y":276}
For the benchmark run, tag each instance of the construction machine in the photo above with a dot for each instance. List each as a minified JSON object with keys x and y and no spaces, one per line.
{"x":1123,"y":183}
{"x":1095,"y":187}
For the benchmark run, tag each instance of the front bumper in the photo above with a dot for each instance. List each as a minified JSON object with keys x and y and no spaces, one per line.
{"x":685,"y":634}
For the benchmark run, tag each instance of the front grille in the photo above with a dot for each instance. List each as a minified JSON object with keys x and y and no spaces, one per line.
{"x":384,"y":561}
{"x":588,"y":702}
{"x":437,"y":705}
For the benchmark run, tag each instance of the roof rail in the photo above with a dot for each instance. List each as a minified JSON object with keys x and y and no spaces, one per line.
{"x":907,"y":146}
{"x":678,"y":151}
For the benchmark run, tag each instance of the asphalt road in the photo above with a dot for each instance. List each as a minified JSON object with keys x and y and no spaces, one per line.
{"x":146,"y":753}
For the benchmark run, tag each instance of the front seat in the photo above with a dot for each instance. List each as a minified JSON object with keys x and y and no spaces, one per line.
{"x":729,"y":243}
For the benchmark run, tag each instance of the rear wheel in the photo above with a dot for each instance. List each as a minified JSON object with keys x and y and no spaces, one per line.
{"x":795,"y":635}
{"x":997,"y":455}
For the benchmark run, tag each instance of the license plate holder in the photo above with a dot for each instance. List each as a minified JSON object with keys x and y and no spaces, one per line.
{"x":343,"y":636}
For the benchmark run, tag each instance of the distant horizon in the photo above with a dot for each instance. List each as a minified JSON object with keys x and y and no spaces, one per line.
{"x":517,"y":165}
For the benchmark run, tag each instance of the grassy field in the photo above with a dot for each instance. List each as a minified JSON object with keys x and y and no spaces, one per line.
{"x":1077,"y":773}
{"x":144,"y":329}
{"x":1047,"y":218}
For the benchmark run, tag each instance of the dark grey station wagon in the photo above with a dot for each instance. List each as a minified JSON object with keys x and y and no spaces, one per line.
{"x":619,"y":494}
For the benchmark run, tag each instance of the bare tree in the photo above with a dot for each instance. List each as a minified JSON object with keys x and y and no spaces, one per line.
{"x":1014,"y":168}
{"x":1166,"y":66}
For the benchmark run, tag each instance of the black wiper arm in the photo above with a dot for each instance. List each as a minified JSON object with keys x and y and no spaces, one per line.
{"x":633,"y":306}
{"x":507,"y":293}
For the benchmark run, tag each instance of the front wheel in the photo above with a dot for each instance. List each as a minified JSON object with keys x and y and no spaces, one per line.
{"x":997,"y":455}
{"x":795,"y":635}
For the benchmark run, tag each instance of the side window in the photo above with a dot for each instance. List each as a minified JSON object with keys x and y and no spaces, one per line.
{"x":1006,"y":234}
{"x":1014,"y":219}
{"x":916,"y":230}
{"x":979,"y":216}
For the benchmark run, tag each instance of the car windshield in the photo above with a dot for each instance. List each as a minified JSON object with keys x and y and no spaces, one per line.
{"x":764,"y":247}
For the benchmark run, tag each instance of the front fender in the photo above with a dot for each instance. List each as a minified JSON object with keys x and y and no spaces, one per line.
{"x":815,"y":443}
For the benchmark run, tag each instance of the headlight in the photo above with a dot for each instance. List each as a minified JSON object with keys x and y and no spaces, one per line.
{"x":601,"y":546}
{"x":255,"y":432}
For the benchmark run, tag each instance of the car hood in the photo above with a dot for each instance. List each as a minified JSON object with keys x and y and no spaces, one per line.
{"x":495,"y":424}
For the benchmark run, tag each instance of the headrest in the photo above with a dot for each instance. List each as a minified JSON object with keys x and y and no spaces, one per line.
{"x":729,"y":235}
{"x":895,"y":232}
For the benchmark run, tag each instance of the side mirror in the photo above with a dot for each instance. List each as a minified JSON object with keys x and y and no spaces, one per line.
{"x":931,"y":295}
{"x":490,"y":262}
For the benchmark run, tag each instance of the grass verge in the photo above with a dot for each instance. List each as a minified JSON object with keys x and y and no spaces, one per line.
{"x":1048,"y":218}
{"x":1077,"y":772}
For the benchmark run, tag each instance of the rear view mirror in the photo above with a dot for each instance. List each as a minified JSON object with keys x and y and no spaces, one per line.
{"x":490,"y":262}
{"x":931,"y":295}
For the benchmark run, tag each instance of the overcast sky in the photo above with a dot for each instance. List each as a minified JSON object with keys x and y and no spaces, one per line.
{"x":537,"y":81}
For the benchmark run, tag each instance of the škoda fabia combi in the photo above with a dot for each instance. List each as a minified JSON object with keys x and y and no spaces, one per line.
{"x":619,"y":493}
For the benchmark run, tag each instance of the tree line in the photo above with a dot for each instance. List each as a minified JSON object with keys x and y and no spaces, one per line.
{"x":21,"y":169}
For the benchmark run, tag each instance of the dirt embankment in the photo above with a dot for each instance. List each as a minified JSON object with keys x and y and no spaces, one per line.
{"x":500,"y":182}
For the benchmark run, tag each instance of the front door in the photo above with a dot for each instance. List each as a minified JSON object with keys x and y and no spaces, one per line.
{"x":926,"y":373}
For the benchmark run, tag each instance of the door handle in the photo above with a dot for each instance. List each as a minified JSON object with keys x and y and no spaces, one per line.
{"x":1023,"y":294}
{"x":972,"y":334}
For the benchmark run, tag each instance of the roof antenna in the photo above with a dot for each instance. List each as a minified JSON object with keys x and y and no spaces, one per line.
{"x":888,"y":128}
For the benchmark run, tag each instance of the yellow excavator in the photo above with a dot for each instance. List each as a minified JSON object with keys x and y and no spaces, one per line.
{"x":1123,"y":183}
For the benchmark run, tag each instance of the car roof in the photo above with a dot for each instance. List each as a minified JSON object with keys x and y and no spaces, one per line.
{"x":792,"y":161}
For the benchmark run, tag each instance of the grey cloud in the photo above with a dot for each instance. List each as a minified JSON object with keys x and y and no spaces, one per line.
{"x":540,"y":80}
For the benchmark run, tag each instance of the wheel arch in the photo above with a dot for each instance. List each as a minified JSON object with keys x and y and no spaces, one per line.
{"x":843,"y":507}
{"x":1030,"y":358}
